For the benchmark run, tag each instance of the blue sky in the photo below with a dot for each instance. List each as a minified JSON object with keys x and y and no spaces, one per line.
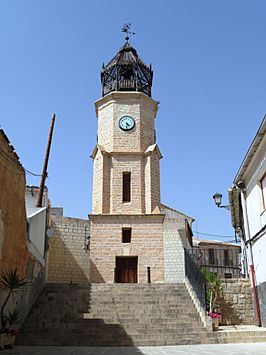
{"x":208,"y":59}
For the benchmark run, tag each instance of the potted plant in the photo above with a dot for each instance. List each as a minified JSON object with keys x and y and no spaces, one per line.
{"x":215,"y":316}
{"x":11,"y":283}
{"x":8,"y":335}
{"x":213,"y":288}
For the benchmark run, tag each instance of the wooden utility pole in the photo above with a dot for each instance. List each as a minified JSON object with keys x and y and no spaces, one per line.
{"x":44,"y":170}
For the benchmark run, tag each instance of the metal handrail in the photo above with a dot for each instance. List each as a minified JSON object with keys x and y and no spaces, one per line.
{"x":196,"y":278}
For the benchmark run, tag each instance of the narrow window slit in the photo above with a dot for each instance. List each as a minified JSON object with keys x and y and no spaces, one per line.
{"x":126,"y":187}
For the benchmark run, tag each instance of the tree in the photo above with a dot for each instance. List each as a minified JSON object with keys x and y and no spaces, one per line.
{"x":12,"y":283}
{"x":214,"y":287}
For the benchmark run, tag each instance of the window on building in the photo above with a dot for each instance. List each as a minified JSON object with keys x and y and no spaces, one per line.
{"x":227,"y":275}
{"x":126,"y":235}
{"x":211,"y":256}
{"x":226,"y":257}
{"x":263,"y":191}
{"x":126,"y":187}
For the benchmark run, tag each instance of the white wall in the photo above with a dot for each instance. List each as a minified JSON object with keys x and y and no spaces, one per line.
{"x":37,"y":233}
{"x":31,"y":197}
{"x":255,"y":210}
{"x":252,"y":178}
{"x":259,"y":252}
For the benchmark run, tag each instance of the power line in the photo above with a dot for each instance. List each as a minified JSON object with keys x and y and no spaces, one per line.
{"x":31,"y":173}
{"x":215,"y":235}
{"x":18,"y":163}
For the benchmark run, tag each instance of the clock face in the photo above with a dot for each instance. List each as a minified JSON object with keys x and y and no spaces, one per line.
{"x":126,"y":123}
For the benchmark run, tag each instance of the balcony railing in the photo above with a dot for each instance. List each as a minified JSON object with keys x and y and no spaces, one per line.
{"x":224,"y":262}
{"x":126,"y":84}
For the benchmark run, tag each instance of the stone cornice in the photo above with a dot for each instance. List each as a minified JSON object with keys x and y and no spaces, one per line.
{"x":158,"y":217}
{"x":149,"y":151}
{"x":116,"y":95}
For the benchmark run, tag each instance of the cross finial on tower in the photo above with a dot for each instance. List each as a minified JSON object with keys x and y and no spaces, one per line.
{"x":126,"y":28}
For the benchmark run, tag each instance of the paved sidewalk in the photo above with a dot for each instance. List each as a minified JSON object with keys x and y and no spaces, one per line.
{"x":207,"y":349}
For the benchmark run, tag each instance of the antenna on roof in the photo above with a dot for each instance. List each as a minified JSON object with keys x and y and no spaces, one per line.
{"x":126,"y":29}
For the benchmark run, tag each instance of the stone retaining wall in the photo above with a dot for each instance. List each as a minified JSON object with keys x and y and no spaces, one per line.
{"x":236,"y":302}
{"x":68,"y":260}
{"x":261,"y":288}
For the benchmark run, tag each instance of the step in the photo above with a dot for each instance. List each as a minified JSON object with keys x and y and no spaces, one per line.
{"x":112,"y":315}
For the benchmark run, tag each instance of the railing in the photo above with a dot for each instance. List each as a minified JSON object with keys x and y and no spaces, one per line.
{"x":126,"y":84}
{"x":196,"y":279}
{"x":224,"y":262}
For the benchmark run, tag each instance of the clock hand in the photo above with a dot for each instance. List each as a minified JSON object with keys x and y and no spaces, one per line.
{"x":127,"y":125}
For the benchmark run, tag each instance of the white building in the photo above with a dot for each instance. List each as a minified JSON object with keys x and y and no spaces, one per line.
{"x":37,"y":222}
{"x":247,"y":198}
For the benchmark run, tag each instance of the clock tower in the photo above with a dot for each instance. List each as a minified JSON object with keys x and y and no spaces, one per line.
{"x":127,"y":222}
{"x":126,"y":156}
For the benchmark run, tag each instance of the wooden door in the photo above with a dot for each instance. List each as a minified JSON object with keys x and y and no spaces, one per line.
{"x":126,"y":269}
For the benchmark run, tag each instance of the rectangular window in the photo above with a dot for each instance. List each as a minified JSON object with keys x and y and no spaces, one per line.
{"x":211,"y":256}
{"x":227,"y":275}
{"x":263,"y":191}
{"x":126,"y":235}
{"x":126,"y":187}
{"x":226,"y":257}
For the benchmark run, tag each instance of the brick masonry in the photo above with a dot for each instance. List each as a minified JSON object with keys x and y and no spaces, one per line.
{"x":112,"y":107}
{"x":174,"y":241}
{"x":118,"y":151}
{"x":67,"y":259}
{"x":174,"y":263}
{"x":235,"y":302}
{"x":146,"y":244}
{"x":156,"y":241}
{"x":261,"y":288}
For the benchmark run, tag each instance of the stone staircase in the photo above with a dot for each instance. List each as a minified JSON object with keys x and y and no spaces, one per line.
{"x":113,"y":315}
{"x":122,"y":315}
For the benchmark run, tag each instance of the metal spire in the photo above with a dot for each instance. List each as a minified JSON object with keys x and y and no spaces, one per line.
{"x":127,"y":29}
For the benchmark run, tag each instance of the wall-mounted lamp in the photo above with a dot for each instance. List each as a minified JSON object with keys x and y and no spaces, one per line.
{"x":218,"y":201}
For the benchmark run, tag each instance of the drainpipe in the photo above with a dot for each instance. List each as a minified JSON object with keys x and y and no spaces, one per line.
{"x":251,"y":260}
{"x":245,"y":258}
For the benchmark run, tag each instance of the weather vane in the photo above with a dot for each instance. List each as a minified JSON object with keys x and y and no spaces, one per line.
{"x":126,"y":28}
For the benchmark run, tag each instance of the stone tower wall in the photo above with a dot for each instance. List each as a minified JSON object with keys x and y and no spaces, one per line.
{"x":97,"y":195}
{"x":118,"y":151}
{"x":112,"y":107}
{"x":120,"y":164}
{"x":146,"y":243}
{"x":155,"y":181}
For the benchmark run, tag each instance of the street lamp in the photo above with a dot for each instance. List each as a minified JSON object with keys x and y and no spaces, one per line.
{"x":218,"y":201}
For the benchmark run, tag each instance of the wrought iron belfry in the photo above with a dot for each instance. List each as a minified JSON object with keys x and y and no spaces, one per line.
{"x":126,"y":71}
